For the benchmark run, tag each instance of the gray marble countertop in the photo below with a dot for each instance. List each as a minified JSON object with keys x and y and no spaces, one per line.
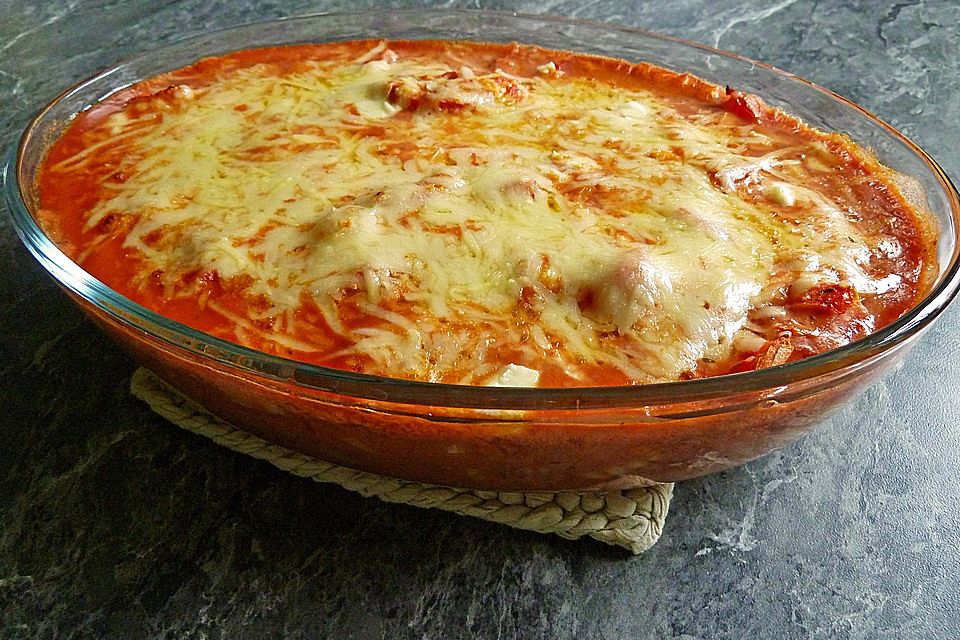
{"x":114,"y":524}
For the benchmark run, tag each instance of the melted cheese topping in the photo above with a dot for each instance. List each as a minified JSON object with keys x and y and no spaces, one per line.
{"x":415,"y":218}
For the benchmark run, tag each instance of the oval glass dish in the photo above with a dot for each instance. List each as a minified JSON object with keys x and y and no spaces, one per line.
{"x":521,"y":439}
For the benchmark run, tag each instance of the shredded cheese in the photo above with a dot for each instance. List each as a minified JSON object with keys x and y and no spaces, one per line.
{"x":433,"y":215}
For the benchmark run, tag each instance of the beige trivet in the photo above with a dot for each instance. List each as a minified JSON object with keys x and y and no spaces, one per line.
{"x":632,"y":518}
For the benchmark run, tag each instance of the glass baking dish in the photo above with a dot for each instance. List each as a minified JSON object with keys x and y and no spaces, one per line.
{"x":499,"y":438}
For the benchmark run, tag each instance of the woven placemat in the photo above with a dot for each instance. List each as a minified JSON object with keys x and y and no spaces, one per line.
{"x":631,"y":518}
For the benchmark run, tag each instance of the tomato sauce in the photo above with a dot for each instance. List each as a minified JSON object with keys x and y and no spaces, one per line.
{"x":822,"y":318}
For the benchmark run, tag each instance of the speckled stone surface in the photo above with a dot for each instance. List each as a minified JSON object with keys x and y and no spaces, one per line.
{"x":114,"y":524}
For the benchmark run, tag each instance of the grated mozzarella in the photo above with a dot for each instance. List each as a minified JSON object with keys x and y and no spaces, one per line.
{"x":610,"y":235}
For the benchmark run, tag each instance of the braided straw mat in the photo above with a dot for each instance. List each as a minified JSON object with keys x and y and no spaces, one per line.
{"x":631,"y":518}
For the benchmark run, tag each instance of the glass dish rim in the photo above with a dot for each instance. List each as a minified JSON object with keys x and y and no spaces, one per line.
{"x":409,"y":392}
